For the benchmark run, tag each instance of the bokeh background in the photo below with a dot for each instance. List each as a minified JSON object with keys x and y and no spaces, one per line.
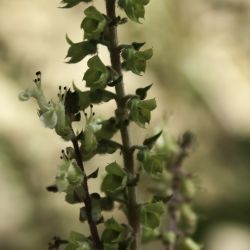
{"x":201,"y":76}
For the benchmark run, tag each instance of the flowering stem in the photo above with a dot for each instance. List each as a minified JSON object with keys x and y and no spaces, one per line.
{"x":87,"y":199}
{"x":176,"y":169}
{"x":122,"y":115}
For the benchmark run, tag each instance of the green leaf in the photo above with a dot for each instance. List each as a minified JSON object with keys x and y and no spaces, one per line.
{"x":140,"y":110}
{"x":106,"y":146}
{"x":135,"y":60}
{"x":112,"y":224}
{"x":149,"y":234}
{"x":107,"y":203}
{"x":153,"y":164}
{"x":77,"y":51}
{"x":84,"y":99}
{"x":78,"y":241}
{"x":93,"y":24}
{"x":114,"y":169}
{"x":116,"y":179}
{"x":101,"y":95}
{"x":75,"y":194}
{"x":113,"y":246}
{"x":72,"y":3}
{"x":76,"y":237}
{"x":149,"y":142}
{"x":134,"y":8}
{"x":188,"y":188}
{"x":109,"y":128}
{"x":115,"y":235}
{"x":188,"y":219}
{"x":83,"y":214}
{"x":112,"y":231}
{"x":150,"y":214}
{"x":93,"y":174}
{"x":97,"y":75}
{"x":169,"y":237}
{"x":188,"y":244}
{"x":142,"y":92}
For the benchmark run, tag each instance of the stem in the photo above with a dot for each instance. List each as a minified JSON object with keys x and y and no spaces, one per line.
{"x":176,"y":169}
{"x":122,"y":115}
{"x":87,"y":199}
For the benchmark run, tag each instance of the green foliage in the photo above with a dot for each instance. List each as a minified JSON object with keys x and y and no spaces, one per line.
{"x":97,"y":75}
{"x":93,"y":24}
{"x":188,"y":244}
{"x":140,"y":110}
{"x":135,"y":60}
{"x":78,"y":241}
{"x":72,"y":3}
{"x":134,"y":8}
{"x":151,"y":214}
{"x":149,"y":142}
{"x":159,"y":162}
{"x":115,"y":181}
{"x":77,"y":51}
{"x":114,"y":235}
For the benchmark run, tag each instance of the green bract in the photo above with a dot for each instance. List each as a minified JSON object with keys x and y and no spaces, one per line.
{"x":188,"y":219}
{"x":140,"y":110}
{"x":150,"y":214}
{"x":149,"y":234}
{"x":134,"y":8}
{"x":97,"y":75}
{"x":77,"y":51}
{"x":72,"y":3}
{"x":116,"y":179}
{"x":114,"y":234}
{"x":135,"y":60}
{"x":93,"y":24}
{"x":152,"y":163}
{"x":188,"y":244}
{"x":78,"y":241}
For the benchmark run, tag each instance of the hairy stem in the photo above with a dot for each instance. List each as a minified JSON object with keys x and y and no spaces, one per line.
{"x":87,"y":199}
{"x":122,"y":115}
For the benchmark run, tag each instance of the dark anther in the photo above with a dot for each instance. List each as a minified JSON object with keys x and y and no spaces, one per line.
{"x":65,"y":88}
{"x":38,"y":73}
{"x":93,"y":113}
{"x":91,"y":105}
{"x":62,"y":151}
{"x":61,"y":157}
{"x":60,"y":87}
{"x":35,"y":80}
{"x":38,"y":79}
{"x":86,"y":114}
{"x":52,"y":188}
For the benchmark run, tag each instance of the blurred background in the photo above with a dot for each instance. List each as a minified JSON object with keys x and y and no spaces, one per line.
{"x":201,"y":76}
